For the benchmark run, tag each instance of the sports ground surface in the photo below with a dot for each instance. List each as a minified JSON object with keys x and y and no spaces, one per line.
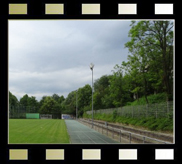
{"x":53,"y":131}
{"x":37,"y":131}
{"x":81,"y":134}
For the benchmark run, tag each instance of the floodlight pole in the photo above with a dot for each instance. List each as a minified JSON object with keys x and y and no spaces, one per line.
{"x":92,"y":98}
{"x":92,"y":68}
{"x":76,"y":106}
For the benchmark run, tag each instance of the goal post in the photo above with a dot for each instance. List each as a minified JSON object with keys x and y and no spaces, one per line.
{"x":45,"y":116}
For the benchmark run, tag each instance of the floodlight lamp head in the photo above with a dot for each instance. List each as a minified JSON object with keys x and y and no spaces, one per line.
{"x":91,"y":66}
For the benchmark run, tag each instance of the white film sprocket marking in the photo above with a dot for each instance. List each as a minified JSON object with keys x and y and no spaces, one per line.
{"x":127,"y":8}
{"x":54,"y":8}
{"x":91,"y":154}
{"x":127,"y":154}
{"x":20,"y":9}
{"x":54,"y":154}
{"x":18,"y":154}
{"x":164,"y":154}
{"x":90,"y":8}
{"x":163,"y":8}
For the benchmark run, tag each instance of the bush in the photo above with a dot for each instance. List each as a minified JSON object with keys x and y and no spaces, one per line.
{"x":170,"y":115}
{"x":154,"y":98}
{"x":114,"y":115}
{"x":128,"y":103}
{"x":154,"y":126}
{"x":165,"y":124}
{"x":151,"y":123}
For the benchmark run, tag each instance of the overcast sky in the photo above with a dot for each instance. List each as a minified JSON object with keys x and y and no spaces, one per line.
{"x":53,"y":56}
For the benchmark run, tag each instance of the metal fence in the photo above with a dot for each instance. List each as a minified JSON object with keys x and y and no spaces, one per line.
{"x":123,"y":136}
{"x":157,"y":110}
{"x":20,"y":111}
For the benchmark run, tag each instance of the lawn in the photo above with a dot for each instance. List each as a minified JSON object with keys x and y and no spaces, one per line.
{"x":37,"y":131}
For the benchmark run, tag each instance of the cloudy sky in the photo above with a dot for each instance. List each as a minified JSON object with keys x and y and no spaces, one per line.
{"x":53,"y":56}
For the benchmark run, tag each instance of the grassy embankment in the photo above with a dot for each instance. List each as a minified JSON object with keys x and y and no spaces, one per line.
{"x":150,"y":123}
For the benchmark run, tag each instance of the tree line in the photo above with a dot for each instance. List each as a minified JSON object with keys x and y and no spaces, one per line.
{"x":148,"y":70}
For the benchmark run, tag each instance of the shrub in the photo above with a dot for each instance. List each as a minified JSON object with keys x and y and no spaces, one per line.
{"x":114,"y":115}
{"x":163,"y":124}
{"x":153,"y":126}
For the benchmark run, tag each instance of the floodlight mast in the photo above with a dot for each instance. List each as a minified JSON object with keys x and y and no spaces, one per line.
{"x":76,"y":106}
{"x":92,"y":68}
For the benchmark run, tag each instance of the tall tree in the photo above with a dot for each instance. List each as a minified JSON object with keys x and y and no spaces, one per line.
{"x":55,"y":97}
{"x":149,"y":38}
{"x":84,"y":98}
{"x":61,"y":99}
{"x":29,"y":104}
{"x":68,"y":104}
{"x":13,"y":101}
{"x":101,"y":86}
{"x":116,"y":86}
{"x":33,"y":104}
{"x":40,"y":103}
{"x":49,"y":106}
{"x":24,"y":100}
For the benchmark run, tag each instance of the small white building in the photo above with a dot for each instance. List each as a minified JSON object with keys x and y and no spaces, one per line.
{"x":66,"y":116}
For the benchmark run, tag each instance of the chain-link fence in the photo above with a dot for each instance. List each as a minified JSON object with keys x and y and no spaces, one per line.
{"x":19,"y":111}
{"x":157,"y":110}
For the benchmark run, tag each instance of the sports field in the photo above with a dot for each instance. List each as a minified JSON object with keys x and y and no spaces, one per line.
{"x":37,"y":131}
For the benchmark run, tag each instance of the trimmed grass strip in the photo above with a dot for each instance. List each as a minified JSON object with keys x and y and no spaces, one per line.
{"x":37,"y":131}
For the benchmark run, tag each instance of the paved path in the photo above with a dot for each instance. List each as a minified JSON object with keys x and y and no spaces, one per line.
{"x":81,"y":134}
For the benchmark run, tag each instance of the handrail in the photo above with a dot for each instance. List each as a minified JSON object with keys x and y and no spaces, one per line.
{"x":124,"y":131}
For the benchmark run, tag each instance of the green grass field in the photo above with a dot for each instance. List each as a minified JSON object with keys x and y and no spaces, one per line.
{"x":37,"y":131}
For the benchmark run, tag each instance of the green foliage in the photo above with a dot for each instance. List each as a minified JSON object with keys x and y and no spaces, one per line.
{"x":85,"y":115}
{"x":170,"y":116}
{"x":150,"y":62}
{"x":101,"y":92}
{"x":114,"y":115}
{"x":84,"y":99}
{"x":55,"y":97}
{"x":61,"y":99}
{"x":116,"y":86}
{"x":147,"y":76}
{"x":42,"y":101}
{"x":49,"y":106}
{"x":69,"y":104}
{"x":151,"y":123}
{"x":24,"y":100}
{"x":154,"y":98}
{"x":29,"y":103}
{"x":13,"y":101}
{"x":86,"y":108}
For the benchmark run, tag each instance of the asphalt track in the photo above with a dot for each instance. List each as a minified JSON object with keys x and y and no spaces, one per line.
{"x":81,"y":134}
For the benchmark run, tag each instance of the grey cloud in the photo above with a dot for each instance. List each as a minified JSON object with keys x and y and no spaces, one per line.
{"x":47,"y":57}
